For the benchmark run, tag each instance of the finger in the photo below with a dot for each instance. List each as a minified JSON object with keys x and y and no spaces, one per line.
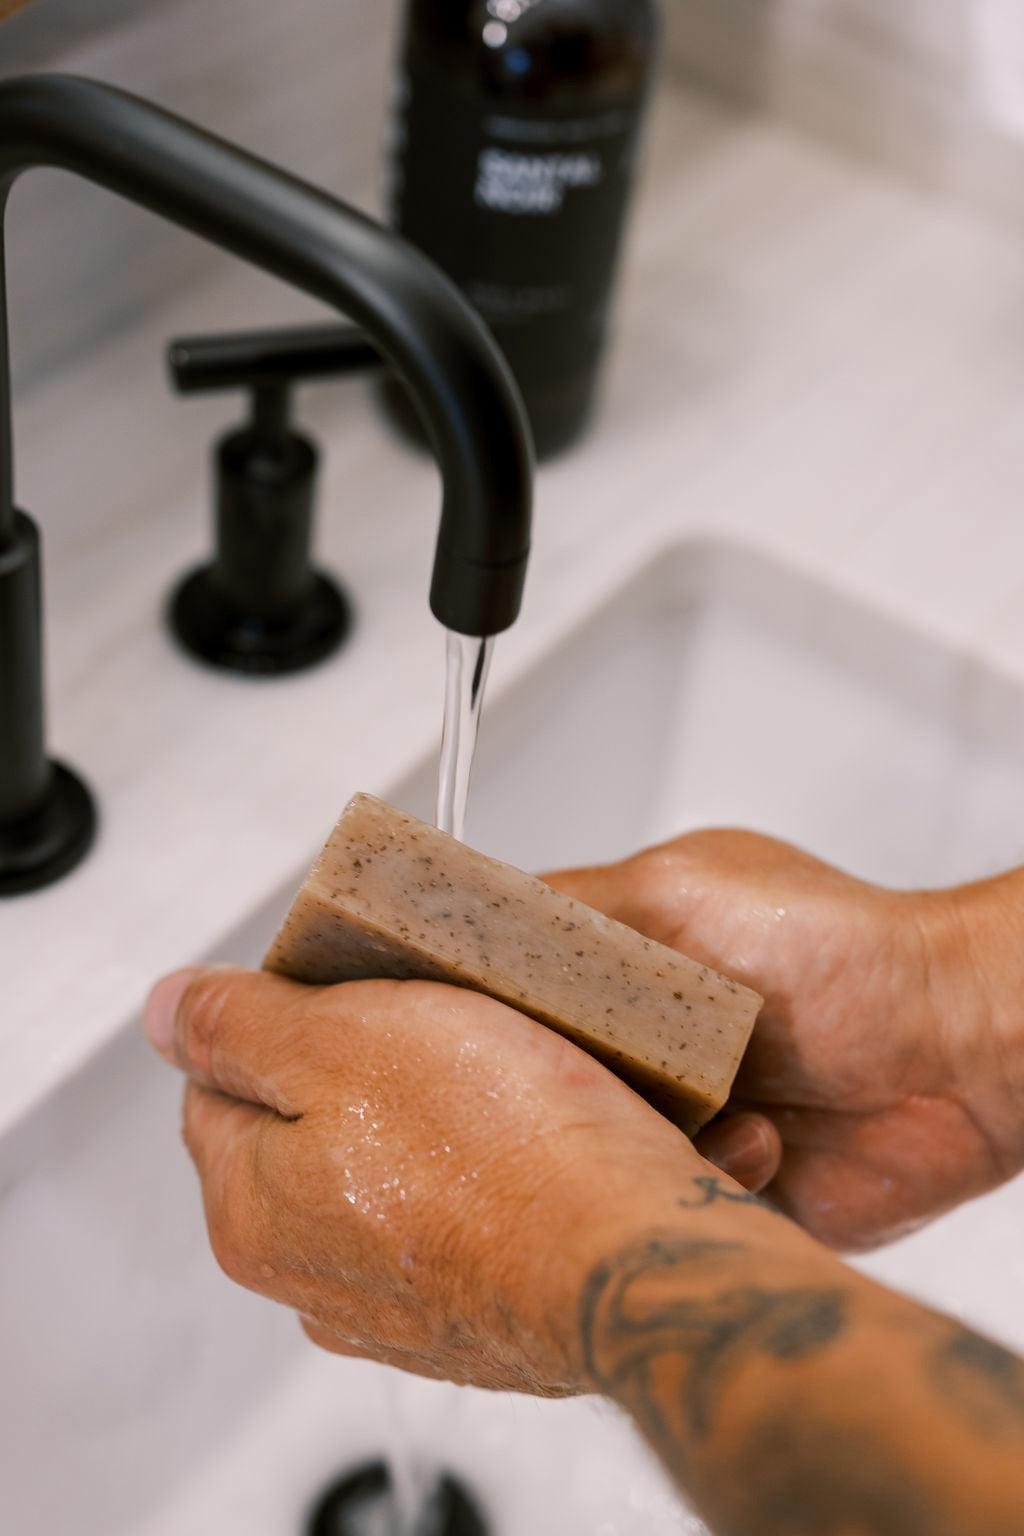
{"x":161,"y":1008}
{"x":608,"y":888}
{"x":747,"y":1147}
{"x":226,"y":1139}
{"x":235,"y":1031}
{"x":648,"y":892}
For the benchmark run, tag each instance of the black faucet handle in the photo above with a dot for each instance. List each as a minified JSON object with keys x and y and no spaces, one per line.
{"x":259,"y":606}
{"x":255,"y":359}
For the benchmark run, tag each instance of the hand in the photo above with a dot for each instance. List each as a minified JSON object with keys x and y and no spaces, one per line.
{"x":425,"y":1175}
{"x":884,"y":1082}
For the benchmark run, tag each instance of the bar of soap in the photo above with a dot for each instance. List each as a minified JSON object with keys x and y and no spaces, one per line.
{"x":390,"y":896}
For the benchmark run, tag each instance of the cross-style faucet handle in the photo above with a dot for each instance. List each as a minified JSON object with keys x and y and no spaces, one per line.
{"x":259,"y":606}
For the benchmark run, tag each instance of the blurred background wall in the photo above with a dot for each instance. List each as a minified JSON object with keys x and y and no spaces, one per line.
{"x":931,"y":89}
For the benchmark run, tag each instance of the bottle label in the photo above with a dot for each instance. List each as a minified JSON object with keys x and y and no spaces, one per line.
{"x":524,"y":211}
{"x":511,"y":182}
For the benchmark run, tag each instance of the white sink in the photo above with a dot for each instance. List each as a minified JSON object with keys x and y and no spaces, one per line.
{"x":143,"y":1395}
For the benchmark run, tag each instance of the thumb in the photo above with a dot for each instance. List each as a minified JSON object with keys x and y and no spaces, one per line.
{"x":235,"y":1032}
{"x":745,"y":1146}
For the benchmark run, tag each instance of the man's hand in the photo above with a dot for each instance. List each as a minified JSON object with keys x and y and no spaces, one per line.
{"x":884,"y":1082}
{"x":434,"y":1181}
{"x":425,"y":1175}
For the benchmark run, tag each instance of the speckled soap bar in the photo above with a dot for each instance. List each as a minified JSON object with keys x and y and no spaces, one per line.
{"x":391,"y":896}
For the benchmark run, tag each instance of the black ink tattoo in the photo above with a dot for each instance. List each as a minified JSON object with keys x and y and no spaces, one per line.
{"x":634,"y":1329}
{"x":810,"y":1478}
{"x":981,"y":1380}
{"x":713,"y":1190}
{"x":667,"y":1336}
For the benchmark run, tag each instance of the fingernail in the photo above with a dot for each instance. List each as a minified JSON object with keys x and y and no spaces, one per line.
{"x":161,"y":1009}
{"x":737,"y":1147}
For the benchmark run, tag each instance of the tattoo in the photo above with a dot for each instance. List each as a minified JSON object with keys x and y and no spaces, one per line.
{"x":981,"y":1380}
{"x":712,"y":1191}
{"x":641,"y":1331}
{"x":669,"y":1336}
{"x":807,"y":1478}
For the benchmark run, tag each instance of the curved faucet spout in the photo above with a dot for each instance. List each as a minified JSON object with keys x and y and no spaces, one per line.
{"x":418,"y":319}
{"x":414,"y":315}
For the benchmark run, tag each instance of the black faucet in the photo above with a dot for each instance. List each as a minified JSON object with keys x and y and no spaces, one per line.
{"x":412,"y":313}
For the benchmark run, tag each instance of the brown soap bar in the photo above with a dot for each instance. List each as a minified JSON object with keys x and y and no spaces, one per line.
{"x":391,"y":896}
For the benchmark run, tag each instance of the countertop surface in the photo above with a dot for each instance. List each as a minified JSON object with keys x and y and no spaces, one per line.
{"x":807,"y":358}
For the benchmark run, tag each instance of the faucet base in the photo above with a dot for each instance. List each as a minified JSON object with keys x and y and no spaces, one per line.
{"x":215,"y":630}
{"x":39,"y":848}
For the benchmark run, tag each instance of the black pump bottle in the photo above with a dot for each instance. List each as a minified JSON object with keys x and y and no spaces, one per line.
{"x":515,"y":136}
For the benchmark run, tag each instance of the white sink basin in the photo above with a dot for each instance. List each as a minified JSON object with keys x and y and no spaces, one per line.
{"x":143,"y":1395}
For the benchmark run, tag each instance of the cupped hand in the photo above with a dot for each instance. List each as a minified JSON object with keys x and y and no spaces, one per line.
{"x":425,"y":1175}
{"x":884,"y":1082}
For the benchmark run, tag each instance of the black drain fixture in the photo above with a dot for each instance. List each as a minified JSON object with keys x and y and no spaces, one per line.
{"x":362,"y":1503}
{"x":451,"y":1511}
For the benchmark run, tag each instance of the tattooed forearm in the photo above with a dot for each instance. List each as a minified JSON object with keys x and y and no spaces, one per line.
{"x":801,"y":1409}
{"x":636,"y":1319}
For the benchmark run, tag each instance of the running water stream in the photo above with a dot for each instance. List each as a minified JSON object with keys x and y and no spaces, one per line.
{"x":469,"y":657}
{"x":468,"y":660}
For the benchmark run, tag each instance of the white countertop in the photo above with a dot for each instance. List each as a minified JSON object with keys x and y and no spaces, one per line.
{"x":807,"y":358}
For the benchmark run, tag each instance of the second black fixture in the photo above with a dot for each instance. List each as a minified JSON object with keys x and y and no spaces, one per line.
{"x":259,"y":606}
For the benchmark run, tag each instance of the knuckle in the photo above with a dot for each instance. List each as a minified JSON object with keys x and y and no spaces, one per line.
{"x":239,"y":1237}
{"x":233,"y":1256}
{"x":194,"y":1132}
{"x":238,"y":1221}
{"x":199,"y":1013}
